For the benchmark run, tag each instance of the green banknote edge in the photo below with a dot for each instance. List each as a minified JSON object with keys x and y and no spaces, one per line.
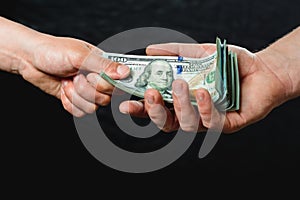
{"x":223,"y":100}
{"x":237,"y":84}
{"x":219,"y":69}
{"x":232,"y":83}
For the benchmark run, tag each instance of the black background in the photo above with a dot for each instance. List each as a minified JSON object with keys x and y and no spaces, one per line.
{"x":41,"y":150}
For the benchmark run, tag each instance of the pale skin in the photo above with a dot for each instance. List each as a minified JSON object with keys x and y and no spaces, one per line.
{"x":68,"y":68}
{"x":63,"y":67}
{"x":268,"y":78}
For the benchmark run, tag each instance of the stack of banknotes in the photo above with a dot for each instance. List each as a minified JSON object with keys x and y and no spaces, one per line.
{"x":217,"y":73}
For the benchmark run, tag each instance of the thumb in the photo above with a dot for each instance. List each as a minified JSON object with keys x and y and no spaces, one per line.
{"x":181,"y":49}
{"x":166,"y":49}
{"x":94,"y":62}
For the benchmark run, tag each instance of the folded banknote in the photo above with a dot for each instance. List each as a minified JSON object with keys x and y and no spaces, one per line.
{"x":217,"y":73}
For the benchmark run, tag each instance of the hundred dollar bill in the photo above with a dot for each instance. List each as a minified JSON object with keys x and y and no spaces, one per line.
{"x":218,"y":73}
{"x":159,"y":72}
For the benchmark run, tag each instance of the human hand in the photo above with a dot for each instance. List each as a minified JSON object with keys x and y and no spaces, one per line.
{"x":69,"y":69}
{"x":262,"y":89}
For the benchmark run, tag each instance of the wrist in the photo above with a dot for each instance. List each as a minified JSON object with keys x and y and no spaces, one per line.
{"x":16,"y":45}
{"x":288,"y":47}
{"x":283,"y":59}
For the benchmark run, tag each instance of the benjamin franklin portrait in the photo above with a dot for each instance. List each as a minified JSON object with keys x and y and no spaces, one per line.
{"x":158,"y":74}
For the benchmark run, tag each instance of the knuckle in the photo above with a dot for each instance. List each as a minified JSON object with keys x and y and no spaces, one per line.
{"x":99,"y":86}
{"x":78,"y":59}
{"x":207,"y":124}
{"x":104,"y":100}
{"x":90,"y":109}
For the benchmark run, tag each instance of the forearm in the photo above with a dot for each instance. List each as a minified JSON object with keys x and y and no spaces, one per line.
{"x":16,"y":44}
{"x":283,"y":58}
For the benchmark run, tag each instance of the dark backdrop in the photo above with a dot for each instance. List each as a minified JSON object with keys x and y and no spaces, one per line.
{"x":42,"y":150}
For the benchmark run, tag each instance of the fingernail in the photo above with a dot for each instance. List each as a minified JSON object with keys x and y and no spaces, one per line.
{"x":76,"y":78}
{"x":177,"y":87}
{"x":150,"y":99}
{"x":124,"y":108}
{"x":122,"y":69}
{"x":200,"y":96}
{"x":64,"y":83}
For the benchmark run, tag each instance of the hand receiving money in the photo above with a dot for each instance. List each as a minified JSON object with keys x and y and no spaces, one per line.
{"x":217,"y":73}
